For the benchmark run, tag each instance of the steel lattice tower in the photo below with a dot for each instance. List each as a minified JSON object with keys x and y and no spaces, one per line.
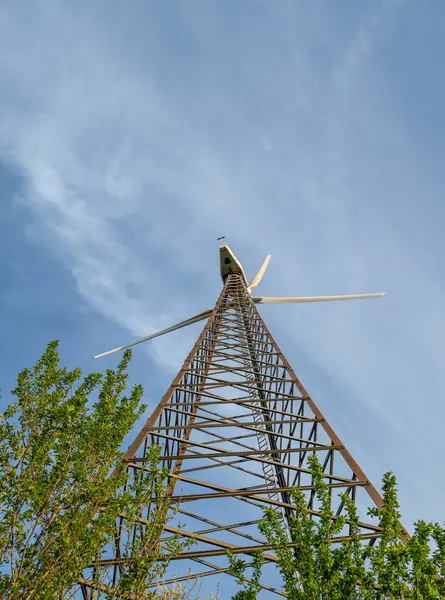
{"x":236,"y":428}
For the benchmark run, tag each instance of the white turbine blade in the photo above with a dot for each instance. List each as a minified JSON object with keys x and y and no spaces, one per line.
{"x":190,"y":321}
{"x":298,"y":299}
{"x":259,"y":276}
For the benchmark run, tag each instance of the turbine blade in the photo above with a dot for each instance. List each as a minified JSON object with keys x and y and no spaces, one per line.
{"x":298,"y":299}
{"x":190,"y":321}
{"x":259,"y":276}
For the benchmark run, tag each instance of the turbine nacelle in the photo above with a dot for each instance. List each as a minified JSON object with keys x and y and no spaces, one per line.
{"x":229,"y":265}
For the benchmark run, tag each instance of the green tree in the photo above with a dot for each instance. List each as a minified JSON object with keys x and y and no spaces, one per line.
{"x":315,"y":569}
{"x":63,"y":483}
{"x":250,"y":586}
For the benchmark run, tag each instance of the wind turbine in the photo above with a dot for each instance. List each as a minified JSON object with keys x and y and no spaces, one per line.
{"x":230,"y":264}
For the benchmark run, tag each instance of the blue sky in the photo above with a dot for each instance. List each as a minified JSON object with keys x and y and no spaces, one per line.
{"x":134,"y":134}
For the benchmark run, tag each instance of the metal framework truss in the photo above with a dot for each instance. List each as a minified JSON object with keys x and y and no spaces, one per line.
{"x":236,"y":429}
